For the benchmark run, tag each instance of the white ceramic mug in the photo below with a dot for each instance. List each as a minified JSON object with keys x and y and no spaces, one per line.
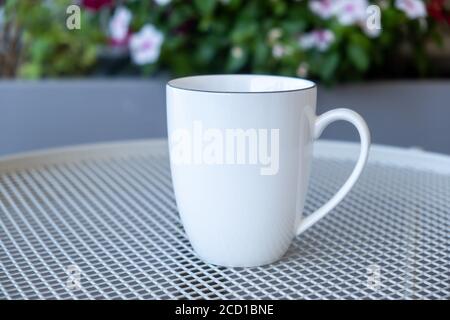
{"x":240,"y":153}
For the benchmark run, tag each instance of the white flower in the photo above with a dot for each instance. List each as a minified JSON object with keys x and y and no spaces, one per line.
{"x":383,"y":4}
{"x":274,"y":34}
{"x":302,"y":70}
{"x":119,"y":23}
{"x":346,"y":11}
{"x":317,"y":39}
{"x":349,"y":12}
{"x":323,"y":8}
{"x":162,"y":2}
{"x":237,"y":52}
{"x":278,"y":51}
{"x":307,"y":41}
{"x":145,"y":45}
{"x":412,"y":8}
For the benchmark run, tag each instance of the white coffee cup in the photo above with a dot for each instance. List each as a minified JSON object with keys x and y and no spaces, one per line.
{"x":240,"y":153}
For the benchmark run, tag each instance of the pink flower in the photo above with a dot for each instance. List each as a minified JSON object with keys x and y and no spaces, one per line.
{"x":119,"y":25}
{"x":317,"y":39}
{"x":349,"y":12}
{"x":322,"y":8}
{"x":145,"y":45}
{"x":346,"y":11}
{"x":412,"y":8}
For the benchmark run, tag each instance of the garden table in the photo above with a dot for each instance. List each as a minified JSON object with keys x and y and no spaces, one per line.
{"x":100,"y":221}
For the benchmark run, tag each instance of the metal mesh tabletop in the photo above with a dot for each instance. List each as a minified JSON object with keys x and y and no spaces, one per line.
{"x":101,"y":222}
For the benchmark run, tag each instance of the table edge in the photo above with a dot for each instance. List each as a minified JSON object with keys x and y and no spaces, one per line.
{"x":329,"y":149}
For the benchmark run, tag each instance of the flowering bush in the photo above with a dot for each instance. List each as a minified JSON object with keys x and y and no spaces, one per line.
{"x":326,"y":39}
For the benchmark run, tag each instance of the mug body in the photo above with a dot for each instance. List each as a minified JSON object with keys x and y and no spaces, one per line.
{"x":240,"y":152}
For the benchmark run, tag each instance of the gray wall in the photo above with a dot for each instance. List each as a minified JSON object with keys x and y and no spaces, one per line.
{"x":35,"y":115}
{"x":408,"y":114}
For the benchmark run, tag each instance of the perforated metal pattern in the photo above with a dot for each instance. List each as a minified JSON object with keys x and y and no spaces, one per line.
{"x":114,"y":217}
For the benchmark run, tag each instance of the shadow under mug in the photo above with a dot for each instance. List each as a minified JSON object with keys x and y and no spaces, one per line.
{"x":240,"y":154}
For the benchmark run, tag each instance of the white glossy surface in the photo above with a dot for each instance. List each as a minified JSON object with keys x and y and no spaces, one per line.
{"x":232,"y":215}
{"x":321,"y":123}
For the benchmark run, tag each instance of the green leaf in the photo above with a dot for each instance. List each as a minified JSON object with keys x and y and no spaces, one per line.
{"x":40,"y":48}
{"x":261,"y":54}
{"x":236,"y":63}
{"x":89,"y":56}
{"x":205,"y":52}
{"x":205,"y":7}
{"x":30,"y":71}
{"x":329,"y":66}
{"x":243,"y":31}
{"x":360,"y":40}
{"x":293,"y":26}
{"x":358,"y":57}
{"x":148,"y":69}
{"x":279,"y":8}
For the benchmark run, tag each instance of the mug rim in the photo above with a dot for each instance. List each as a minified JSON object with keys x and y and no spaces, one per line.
{"x":172,"y":84}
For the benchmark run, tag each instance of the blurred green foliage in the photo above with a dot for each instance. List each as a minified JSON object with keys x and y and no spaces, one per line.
{"x":48,"y":47}
{"x":213,"y":36}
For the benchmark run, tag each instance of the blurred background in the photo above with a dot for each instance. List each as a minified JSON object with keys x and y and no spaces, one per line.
{"x":95,"y":70}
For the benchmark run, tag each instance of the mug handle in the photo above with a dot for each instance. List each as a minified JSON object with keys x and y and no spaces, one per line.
{"x":320,"y":124}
